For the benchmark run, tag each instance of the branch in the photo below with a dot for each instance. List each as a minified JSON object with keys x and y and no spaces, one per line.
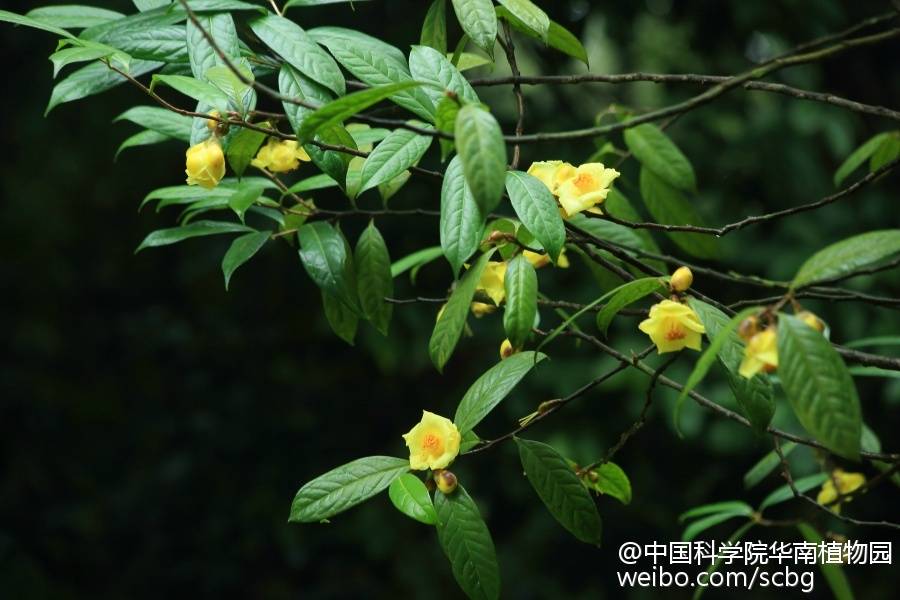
{"x":510,"y":50}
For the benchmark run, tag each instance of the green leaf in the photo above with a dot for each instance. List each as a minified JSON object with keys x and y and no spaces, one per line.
{"x":315,"y":182}
{"x":145,"y":5}
{"x":194,"y":88}
{"x":520,"y":309}
{"x":434,"y":27}
{"x":818,"y":386}
{"x":538,"y":210}
{"x":560,"y":489}
{"x":847,"y":255}
{"x":461,"y":220}
{"x":387,"y":189}
{"x":337,"y":110}
{"x":467,"y":543}
{"x":68,"y":56}
{"x":242,"y":249}
{"x":492,"y":387}
{"x":832,"y":572}
{"x":415,"y":260}
{"x":373,"y":270}
{"x":428,"y":65}
{"x":92,"y":79}
{"x":700,"y":525}
{"x":299,"y":50}
{"x":164,"y":237}
{"x":766,"y":465}
{"x":375,"y":63}
{"x":529,"y":15}
{"x":201,"y":54}
{"x":734,"y":537}
{"x":160,"y":120}
{"x":242,"y":148}
{"x":858,"y":157}
{"x":611,"y":481}
{"x":449,"y":326}
{"x":395,"y":154}
{"x":294,"y":84}
{"x":345,"y":487}
{"x":755,"y":396}
{"x":201,"y":6}
{"x":479,"y":143}
{"x":162,"y":42}
{"x":880,"y":340}
{"x":627,"y":294}
{"x":669,"y":206}
{"x":142,"y":138}
{"x":243,"y":198}
{"x":291,"y":3}
{"x":73,"y":16}
{"x":323,"y":251}
{"x":333,"y":162}
{"x":445,"y":113}
{"x":342,"y":320}
{"x":11,"y":17}
{"x":736,"y":507}
{"x":657,"y":152}
{"x":558,"y":37}
{"x":410,"y":496}
{"x":478,"y":21}
{"x":470,"y":60}
{"x":888,"y":150}
{"x":785,"y":493}
{"x":468,"y":441}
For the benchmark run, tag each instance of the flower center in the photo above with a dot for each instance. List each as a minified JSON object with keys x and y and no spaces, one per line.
{"x":584,"y":182}
{"x":675,"y":332}
{"x":431,"y":442}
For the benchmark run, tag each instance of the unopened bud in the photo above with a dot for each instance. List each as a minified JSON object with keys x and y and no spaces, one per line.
{"x":446,"y":481}
{"x":506,"y":349}
{"x":479,"y":309}
{"x":811,"y":320}
{"x":212,"y":124}
{"x":682,"y":279}
{"x":748,"y":328}
{"x":497,"y":236}
{"x":593,"y":476}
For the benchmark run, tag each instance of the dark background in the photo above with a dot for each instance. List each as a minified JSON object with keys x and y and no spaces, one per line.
{"x":155,"y":427}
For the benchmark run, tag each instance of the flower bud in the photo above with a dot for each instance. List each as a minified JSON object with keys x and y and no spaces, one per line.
{"x":506,"y":349}
{"x":811,"y":320}
{"x":682,"y":279}
{"x":479,"y":309}
{"x":593,"y":476}
{"x":446,"y":481}
{"x":748,"y":328}
{"x":212,"y":124}
{"x":205,"y":164}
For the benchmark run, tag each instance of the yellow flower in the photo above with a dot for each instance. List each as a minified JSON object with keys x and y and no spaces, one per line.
{"x":491,"y":282}
{"x":479,"y":309}
{"x":761,"y":353}
{"x":846,"y":483}
{"x":433,"y":443}
{"x":205,"y":164}
{"x":673,"y":326}
{"x":682,"y":279}
{"x":587,"y":188}
{"x":538,"y":260}
{"x":551,"y":172}
{"x":280,"y":156}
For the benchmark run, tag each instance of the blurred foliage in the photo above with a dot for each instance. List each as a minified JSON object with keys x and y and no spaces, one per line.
{"x":157,"y":427}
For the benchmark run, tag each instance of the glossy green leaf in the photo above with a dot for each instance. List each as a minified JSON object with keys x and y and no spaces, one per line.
{"x":470,"y":60}
{"x":766,"y":465}
{"x":610,"y":480}
{"x":201,"y":54}
{"x":478,"y":21}
{"x":887,"y":151}
{"x":92,"y":79}
{"x":16,"y":19}
{"x":538,"y":211}
{"x":373,"y":272}
{"x":142,"y":138}
{"x":697,"y":527}
{"x":242,"y":148}
{"x":194,"y":88}
{"x":818,"y":386}
{"x":785,"y":493}
{"x":480,"y":145}
{"x":669,"y":206}
{"x":343,"y":321}
{"x":461,"y":220}
{"x":520,"y":309}
{"x":445,"y":113}
{"x":242,"y":249}
{"x":492,"y":387}
{"x":294,"y":84}
{"x":467,"y":543}
{"x":847,"y":255}
{"x":529,"y":15}
{"x":428,"y":65}
{"x":858,"y":157}
{"x":657,"y":152}
{"x":71,"y":16}
{"x":627,"y":294}
{"x":558,"y":37}
{"x":833,"y":573}
{"x":243,"y":198}
{"x":324,"y":254}
{"x":164,"y":237}
{"x":738,"y":507}
{"x":291,"y":3}
{"x":333,"y":163}
{"x":345,"y":487}
{"x":160,"y":120}
{"x":434,"y":27}
{"x":299,"y":50}
{"x":69,"y":56}
{"x":337,"y":110}
{"x":449,"y":326}
{"x":416,"y":259}
{"x":410,"y":496}
{"x":395,"y":154}
{"x":560,"y":489}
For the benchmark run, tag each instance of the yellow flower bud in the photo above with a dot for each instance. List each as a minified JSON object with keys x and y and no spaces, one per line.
{"x":682,"y":279}
{"x":280,"y":156}
{"x":761,"y":353}
{"x":812,"y":320}
{"x":446,"y":481}
{"x":506,"y":349}
{"x":212,"y":124}
{"x":479,"y":309}
{"x":586,"y":188}
{"x":748,"y":328}
{"x":840,"y":483}
{"x":673,"y":326}
{"x":433,"y":443}
{"x":205,"y":164}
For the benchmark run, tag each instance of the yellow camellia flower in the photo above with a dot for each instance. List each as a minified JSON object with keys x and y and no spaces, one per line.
{"x":479,"y":309}
{"x":280,"y":156}
{"x":673,"y":326}
{"x":205,"y":164}
{"x":491,"y":282}
{"x":538,"y":260}
{"x":840,"y":483}
{"x":761,"y":353}
{"x":433,"y":443}
{"x":586,"y":188}
{"x":551,"y":172}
